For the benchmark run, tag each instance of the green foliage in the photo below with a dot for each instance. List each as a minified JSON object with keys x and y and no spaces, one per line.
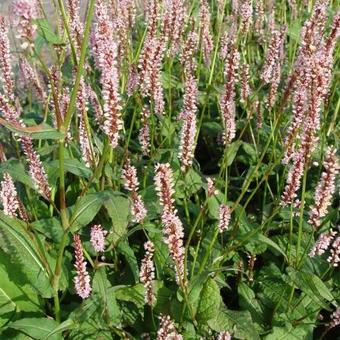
{"x":255,"y":279}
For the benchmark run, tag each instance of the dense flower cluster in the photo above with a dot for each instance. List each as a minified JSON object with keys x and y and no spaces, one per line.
{"x":334,"y":258}
{"x":9,"y":196}
{"x":131,"y":184}
{"x":325,"y":189}
{"x":167,"y":329}
{"x":224,"y":218}
{"x":207,"y":41}
{"x":172,"y":225}
{"x":227,"y":100}
{"x":106,"y":55}
{"x":82,"y":280}
{"x":147,"y":273}
{"x":224,"y":336}
{"x":144,"y":133}
{"x":23,"y":12}
{"x":98,"y":238}
{"x":323,"y":243}
{"x":5,"y":60}
{"x":335,"y":318}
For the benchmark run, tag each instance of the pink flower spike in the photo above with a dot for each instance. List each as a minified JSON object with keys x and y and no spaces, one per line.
{"x":147,"y":273}
{"x":224,"y":218}
{"x":98,"y":238}
{"x":82,"y":280}
{"x":167,"y":329}
{"x":9,"y":196}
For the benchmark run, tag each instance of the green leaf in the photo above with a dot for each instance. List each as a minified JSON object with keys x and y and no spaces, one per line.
{"x":125,"y":249}
{"x":37,"y":328}
{"x":46,"y":31}
{"x":118,"y":208}
{"x":210,"y":300}
{"x":103,"y":288}
{"x":64,"y":326}
{"x":15,"y":294}
{"x":231,"y":152}
{"x":239,"y":322}
{"x":86,"y":209}
{"x":311,"y":285}
{"x":17,"y":172}
{"x":249,"y":302}
{"x":134,"y":294}
{"x":270,"y":243}
{"x":41,"y":131}
{"x":288,"y":332}
{"x":73,"y":166}
{"x":16,"y":242}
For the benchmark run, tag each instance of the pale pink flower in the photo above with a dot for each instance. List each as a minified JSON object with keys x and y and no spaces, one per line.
{"x":323,"y":243}
{"x":172,"y":225}
{"x":245,"y":87}
{"x":6,"y":61}
{"x":82,"y":282}
{"x":335,"y":318}
{"x":246,"y":15}
{"x":9,"y":196}
{"x":207,"y":42}
{"x":144,"y":132}
{"x":273,"y":56}
{"x":189,"y":50}
{"x":173,"y":23}
{"x":325,"y":189}
{"x":224,"y":336}
{"x":98,"y":238}
{"x":334,"y":258}
{"x":147,"y":273}
{"x":123,"y":19}
{"x":31,"y":79}
{"x":224,"y":218}
{"x":36,"y":169}
{"x":167,"y":329}
{"x":211,"y":187}
{"x":23,"y":12}
{"x":188,"y":115}
{"x":227,"y":102}
{"x":129,"y":175}
{"x":293,"y":181}
{"x":106,"y":54}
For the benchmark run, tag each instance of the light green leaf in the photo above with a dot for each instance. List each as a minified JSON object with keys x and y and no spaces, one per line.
{"x":37,"y":328}
{"x":210,"y":300}
{"x":47,"y":32}
{"x":118,"y":208}
{"x":16,"y":242}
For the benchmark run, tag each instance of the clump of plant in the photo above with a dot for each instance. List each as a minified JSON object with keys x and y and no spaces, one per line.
{"x":168,"y":170}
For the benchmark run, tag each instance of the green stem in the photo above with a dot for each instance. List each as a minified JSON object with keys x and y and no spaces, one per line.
{"x":80,"y":67}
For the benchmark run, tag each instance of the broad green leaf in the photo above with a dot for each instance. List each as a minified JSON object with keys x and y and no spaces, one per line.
{"x":231,"y":152}
{"x":210,"y":300}
{"x":118,"y":208}
{"x":15,"y":294}
{"x":101,"y":286}
{"x":125,"y":249}
{"x":16,"y":242}
{"x":289,"y":332}
{"x":134,"y":294}
{"x":37,"y":328}
{"x":270,"y":243}
{"x":86,"y":209}
{"x":17,"y":172}
{"x":248,"y":301}
{"x":47,"y":32}
{"x":311,"y":285}
{"x":41,"y":131}
{"x":239,"y":323}
{"x":64,"y":326}
{"x":73,"y":166}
